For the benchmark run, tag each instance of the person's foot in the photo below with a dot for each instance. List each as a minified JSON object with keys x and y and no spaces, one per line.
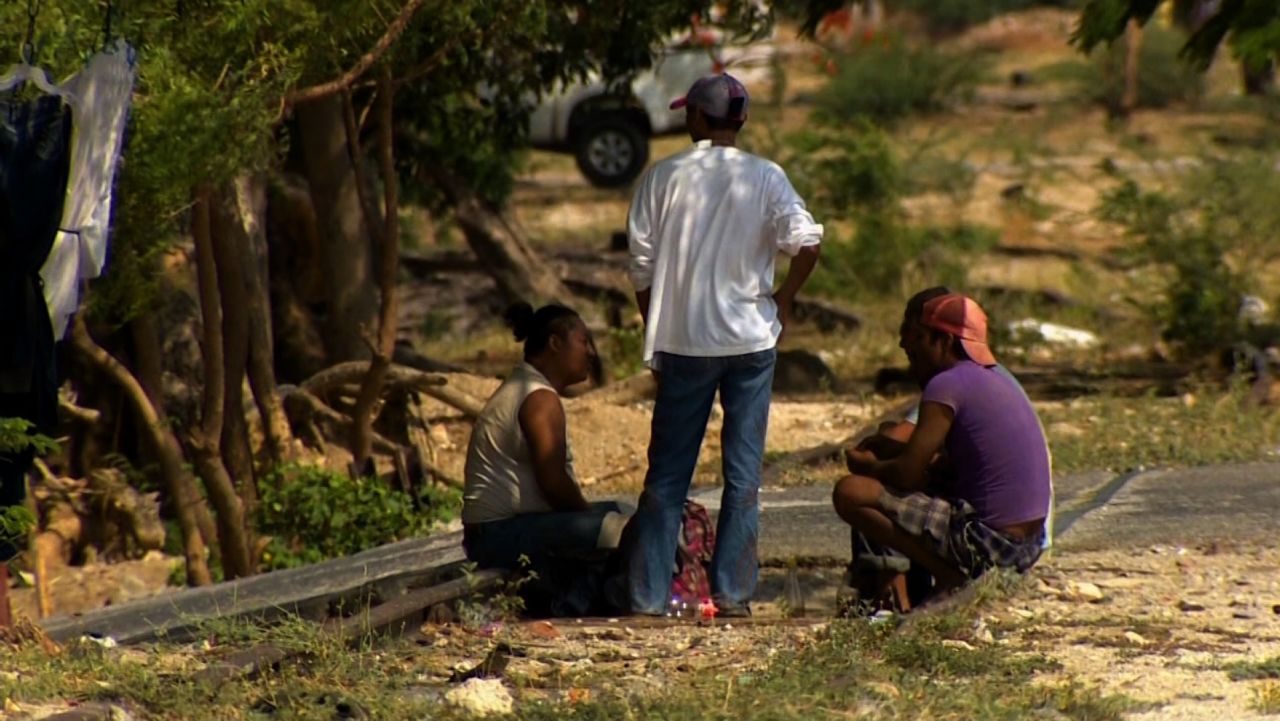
{"x":729,"y":610}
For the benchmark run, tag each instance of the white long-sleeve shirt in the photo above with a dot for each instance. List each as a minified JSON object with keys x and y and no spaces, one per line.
{"x":704,"y":230}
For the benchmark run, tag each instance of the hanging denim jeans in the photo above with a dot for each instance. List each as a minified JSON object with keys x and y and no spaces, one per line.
{"x":35,"y":153}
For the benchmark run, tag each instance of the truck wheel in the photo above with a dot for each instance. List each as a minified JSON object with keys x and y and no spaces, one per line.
{"x":611,"y":151}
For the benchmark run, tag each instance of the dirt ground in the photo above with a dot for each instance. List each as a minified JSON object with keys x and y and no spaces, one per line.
{"x":610,"y":440}
{"x":1161,"y":625}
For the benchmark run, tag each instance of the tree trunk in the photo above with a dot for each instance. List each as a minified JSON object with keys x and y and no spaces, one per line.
{"x":373,"y":220}
{"x":346,"y":260}
{"x":229,"y":244}
{"x":147,"y":354}
{"x":250,"y":204}
{"x":517,"y":268}
{"x":294,"y":281}
{"x":205,"y":440}
{"x":1258,"y":79}
{"x":388,"y":262}
{"x":179,"y":486}
{"x":1132,"y":54}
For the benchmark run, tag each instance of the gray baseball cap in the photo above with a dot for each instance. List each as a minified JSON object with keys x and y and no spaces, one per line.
{"x":719,"y":96}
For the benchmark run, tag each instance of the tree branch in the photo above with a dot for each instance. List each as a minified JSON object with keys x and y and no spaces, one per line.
{"x":437,"y":58}
{"x":211,"y":318}
{"x":206,"y":441}
{"x":431,"y":384}
{"x":304,"y":401}
{"x":388,"y":260}
{"x":178,"y":484}
{"x":357,"y":163}
{"x":394,"y":30}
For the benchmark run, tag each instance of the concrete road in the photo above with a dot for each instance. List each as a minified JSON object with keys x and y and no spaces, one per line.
{"x":1184,"y":507}
{"x":1095,"y":509}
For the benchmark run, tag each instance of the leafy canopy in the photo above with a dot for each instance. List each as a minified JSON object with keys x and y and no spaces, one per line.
{"x":215,"y":75}
{"x":1251,"y":28}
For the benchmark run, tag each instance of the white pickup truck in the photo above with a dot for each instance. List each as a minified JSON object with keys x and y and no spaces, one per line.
{"x":608,"y":130}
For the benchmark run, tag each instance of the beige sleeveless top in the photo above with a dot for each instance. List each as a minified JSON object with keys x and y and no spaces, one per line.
{"x":500,"y":482}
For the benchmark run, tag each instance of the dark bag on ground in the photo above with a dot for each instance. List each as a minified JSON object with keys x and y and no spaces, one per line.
{"x":596,"y":584}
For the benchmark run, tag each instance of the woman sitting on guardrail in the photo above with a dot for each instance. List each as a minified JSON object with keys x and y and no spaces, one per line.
{"x":521,"y":497}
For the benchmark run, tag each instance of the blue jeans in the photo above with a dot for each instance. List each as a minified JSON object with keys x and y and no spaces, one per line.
{"x":500,"y":544}
{"x":686,"y":389}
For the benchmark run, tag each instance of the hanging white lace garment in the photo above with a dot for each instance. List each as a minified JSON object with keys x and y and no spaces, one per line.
{"x":101,"y":95}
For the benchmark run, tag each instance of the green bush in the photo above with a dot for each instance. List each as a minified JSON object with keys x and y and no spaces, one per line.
{"x":313,"y":513}
{"x":16,"y":435}
{"x":887,"y":256}
{"x":854,"y":173}
{"x":890,"y":77}
{"x":1208,"y":239}
{"x":1163,"y":78}
{"x":623,"y":351}
{"x":838,"y":168}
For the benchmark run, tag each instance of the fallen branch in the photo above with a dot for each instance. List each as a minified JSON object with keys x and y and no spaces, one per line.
{"x":398,"y":376}
{"x":311,"y":404}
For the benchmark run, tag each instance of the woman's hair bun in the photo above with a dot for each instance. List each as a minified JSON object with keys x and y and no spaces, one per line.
{"x":519,"y":317}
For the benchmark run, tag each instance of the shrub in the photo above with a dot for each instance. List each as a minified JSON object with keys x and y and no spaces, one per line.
{"x":1163,"y":78}
{"x":887,"y":256}
{"x":889,"y":78}
{"x":854,"y":166}
{"x":853,"y":173}
{"x":16,"y":436}
{"x":1208,"y":238}
{"x":623,"y":351}
{"x":313,"y":513}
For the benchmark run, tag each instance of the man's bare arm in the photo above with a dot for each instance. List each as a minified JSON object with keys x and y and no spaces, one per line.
{"x":642,"y":300}
{"x":909,"y":471}
{"x":543,"y":422}
{"x":802,"y":265}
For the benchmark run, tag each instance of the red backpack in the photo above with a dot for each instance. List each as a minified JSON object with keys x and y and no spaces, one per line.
{"x":691,"y":582}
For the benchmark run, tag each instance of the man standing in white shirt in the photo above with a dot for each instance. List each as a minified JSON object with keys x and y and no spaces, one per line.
{"x":705,"y":228}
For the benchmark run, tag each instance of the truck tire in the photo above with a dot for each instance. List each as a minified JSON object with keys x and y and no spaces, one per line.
{"x":611,"y":150}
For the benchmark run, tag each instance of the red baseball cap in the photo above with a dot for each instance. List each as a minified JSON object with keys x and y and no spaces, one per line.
{"x":962,"y":317}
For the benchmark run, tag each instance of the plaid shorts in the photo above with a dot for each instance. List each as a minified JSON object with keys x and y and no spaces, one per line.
{"x":951,"y":528}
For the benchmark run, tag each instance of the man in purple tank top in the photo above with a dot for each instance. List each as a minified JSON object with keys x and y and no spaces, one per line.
{"x":990,"y":509}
